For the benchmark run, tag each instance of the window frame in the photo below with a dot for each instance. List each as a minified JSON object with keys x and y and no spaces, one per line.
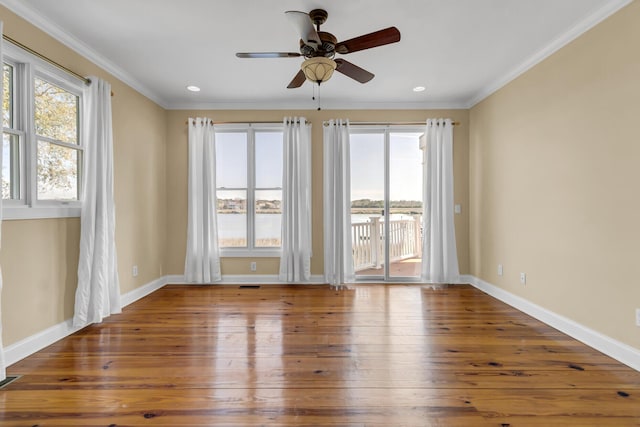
{"x":250,"y":129}
{"x":15,"y":130}
{"x":386,"y":131}
{"x":17,"y":179}
{"x":26,"y":68}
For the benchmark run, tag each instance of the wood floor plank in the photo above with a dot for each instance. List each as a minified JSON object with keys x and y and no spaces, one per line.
{"x":320,"y":376}
{"x":376,"y":355}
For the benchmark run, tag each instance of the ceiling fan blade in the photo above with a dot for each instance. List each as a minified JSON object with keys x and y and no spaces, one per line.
{"x":297,"y":80}
{"x":367,"y":41}
{"x":350,"y":70}
{"x":303,"y":25}
{"x":267,"y":55}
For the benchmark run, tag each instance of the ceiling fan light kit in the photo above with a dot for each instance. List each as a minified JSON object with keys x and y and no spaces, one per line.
{"x":320,"y":47}
{"x":318,"y":69}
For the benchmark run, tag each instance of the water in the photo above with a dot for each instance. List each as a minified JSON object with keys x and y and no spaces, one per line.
{"x":234,"y":226}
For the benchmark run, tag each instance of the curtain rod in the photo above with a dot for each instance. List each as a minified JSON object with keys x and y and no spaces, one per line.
{"x":47,"y":60}
{"x":44,"y":58}
{"x":393,"y":123}
{"x":326,"y":123}
{"x":270,"y":122}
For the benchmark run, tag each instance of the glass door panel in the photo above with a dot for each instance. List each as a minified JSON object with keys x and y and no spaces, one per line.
{"x":367,"y":204}
{"x":386,"y":203}
{"x":405,"y":205}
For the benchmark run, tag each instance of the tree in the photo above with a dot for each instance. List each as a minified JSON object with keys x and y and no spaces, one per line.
{"x":56,"y":119}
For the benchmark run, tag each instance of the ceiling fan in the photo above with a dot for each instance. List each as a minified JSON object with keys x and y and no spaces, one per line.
{"x":319,"y":49}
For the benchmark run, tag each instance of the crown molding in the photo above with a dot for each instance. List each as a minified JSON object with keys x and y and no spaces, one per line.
{"x":590,"y":21}
{"x":326,"y":105}
{"x":34,"y":18}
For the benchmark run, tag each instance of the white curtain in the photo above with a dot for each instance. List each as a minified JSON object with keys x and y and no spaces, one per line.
{"x":295,"y":261}
{"x":3,"y":371}
{"x":98,"y":292}
{"x":338,"y":256}
{"x":202,"y":261}
{"x":439,"y":255}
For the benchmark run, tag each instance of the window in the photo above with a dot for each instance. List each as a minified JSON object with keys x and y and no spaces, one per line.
{"x":249,"y":189}
{"x":41,"y":147}
{"x":56,"y":129}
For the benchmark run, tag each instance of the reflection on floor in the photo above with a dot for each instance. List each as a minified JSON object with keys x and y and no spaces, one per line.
{"x":405,"y":268}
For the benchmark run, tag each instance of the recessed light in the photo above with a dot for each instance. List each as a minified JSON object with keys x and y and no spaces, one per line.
{"x":419,"y":88}
{"x":193,"y":88}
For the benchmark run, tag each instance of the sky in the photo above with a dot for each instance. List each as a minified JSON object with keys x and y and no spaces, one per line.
{"x":367,"y":167}
{"x":233,"y":174}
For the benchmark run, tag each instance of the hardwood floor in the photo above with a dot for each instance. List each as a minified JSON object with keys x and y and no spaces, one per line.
{"x":376,"y":355}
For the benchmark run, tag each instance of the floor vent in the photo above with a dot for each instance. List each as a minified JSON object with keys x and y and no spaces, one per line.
{"x":9,"y":380}
{"x":249,"y":286}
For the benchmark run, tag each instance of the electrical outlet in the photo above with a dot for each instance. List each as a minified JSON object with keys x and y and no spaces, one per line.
{"x":135,"y":271}
{"x":637,"y":316}
{"x":523,"y":278}
{"x":253,"y":266}
{"x":500,"y":270}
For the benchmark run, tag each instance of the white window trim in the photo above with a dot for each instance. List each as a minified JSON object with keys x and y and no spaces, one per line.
{"x":40,"y":212}
{"x":22,"y":176}
{"x":250,"y":252}
{"x":26,"y":68}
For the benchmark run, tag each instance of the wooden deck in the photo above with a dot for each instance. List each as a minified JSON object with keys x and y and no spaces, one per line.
{"x":405,"y":268}
{"x":375,"y":355}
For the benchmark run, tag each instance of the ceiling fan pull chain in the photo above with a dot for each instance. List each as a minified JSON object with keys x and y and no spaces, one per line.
{"x":314,"y":97}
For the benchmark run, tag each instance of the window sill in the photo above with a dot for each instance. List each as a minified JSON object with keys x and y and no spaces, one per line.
{"x":40,"y":212}
{"x":246,"y":253}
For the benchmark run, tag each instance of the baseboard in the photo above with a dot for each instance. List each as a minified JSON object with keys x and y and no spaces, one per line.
{"x":623,"y":353}
{"x":143,"y":291}
{"x":175,"y":279}
{"x":26,"y":347}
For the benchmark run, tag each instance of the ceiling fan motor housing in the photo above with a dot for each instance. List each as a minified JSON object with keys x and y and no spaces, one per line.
{"x":326,"y":49}
{"x":328,"y":46}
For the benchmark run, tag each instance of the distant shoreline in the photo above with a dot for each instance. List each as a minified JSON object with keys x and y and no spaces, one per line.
{"x":378,"y":211}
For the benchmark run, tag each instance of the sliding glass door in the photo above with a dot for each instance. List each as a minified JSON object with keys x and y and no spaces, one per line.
{"x":386,"y":202}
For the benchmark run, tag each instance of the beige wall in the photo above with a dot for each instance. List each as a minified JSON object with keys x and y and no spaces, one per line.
{"x":40,"y":272}
{"x":39,"y":257}
{"x":177,"y":178}
{"x":554,"y":180}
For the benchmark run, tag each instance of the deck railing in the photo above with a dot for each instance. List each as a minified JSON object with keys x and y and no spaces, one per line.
{"x":368,"y":241}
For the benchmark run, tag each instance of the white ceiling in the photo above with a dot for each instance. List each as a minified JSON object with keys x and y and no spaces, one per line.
{"x":461,"y":50}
